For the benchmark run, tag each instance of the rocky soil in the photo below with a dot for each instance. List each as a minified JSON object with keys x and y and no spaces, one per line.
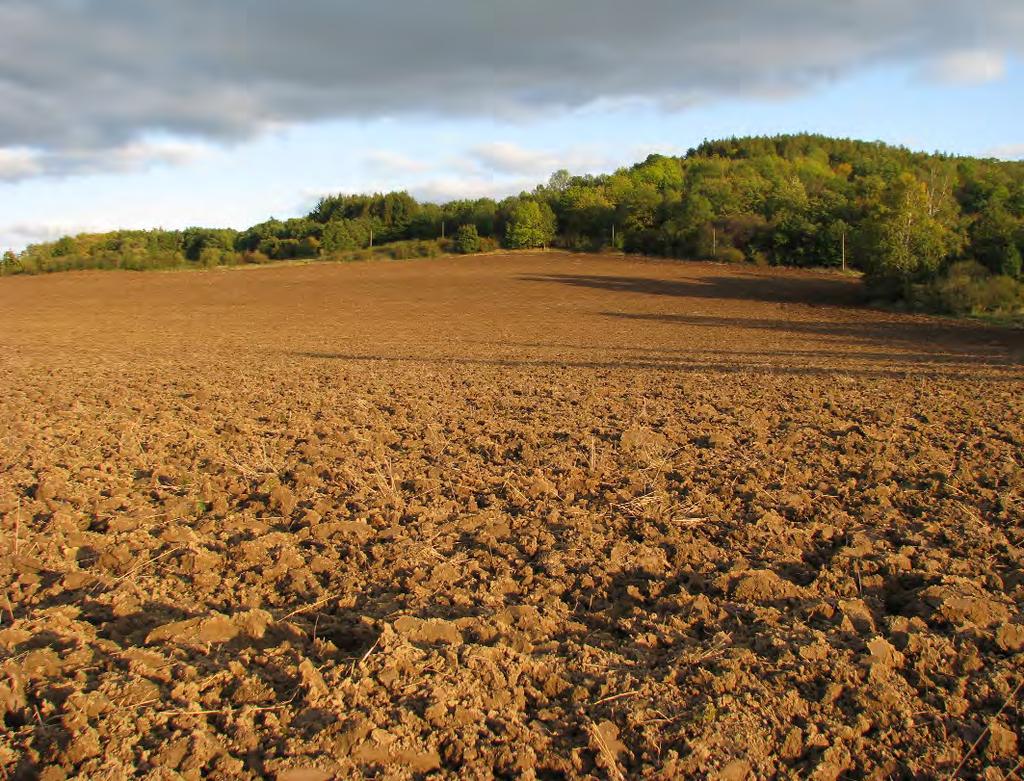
{"x":527,"y":516}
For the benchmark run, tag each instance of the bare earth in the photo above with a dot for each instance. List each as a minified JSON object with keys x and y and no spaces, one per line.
{"x":514,"y":516}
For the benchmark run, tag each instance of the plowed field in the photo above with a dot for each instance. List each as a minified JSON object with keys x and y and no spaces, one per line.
{"x":515,"y":516}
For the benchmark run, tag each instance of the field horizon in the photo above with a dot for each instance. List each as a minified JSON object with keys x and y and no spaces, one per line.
{"x":935,"y":232}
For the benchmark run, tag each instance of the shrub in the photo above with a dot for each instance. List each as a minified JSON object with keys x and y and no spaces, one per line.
{"x":530,"y":224}
{"x":406,"y":250}
{"x":210,"y":257}
{"x":467,"y":239}
{"x":968,"y":288}
{"x":759,"y":258}
{"x":730,"y":255}
{"x":9,"y":263}
{"x":428,"y":249}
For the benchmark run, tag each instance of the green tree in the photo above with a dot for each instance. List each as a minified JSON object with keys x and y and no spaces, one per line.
{"x":993,"y":240}
{"x":559,"y":181}
{"x":467,"y":239}
{"x":212,"y":256}
{"x":908,"y":236}
{"x":195,"y":241}
{"x":531,"y":224}
{"x":586,"y":216}
{"x":251,"y":239}
{"x":345,"y":235}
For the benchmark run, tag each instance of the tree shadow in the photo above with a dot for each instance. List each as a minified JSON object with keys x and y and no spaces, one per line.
{"x":811,"y":290}
{"x":933,"y":336}
{"x":741,"y":356}
{"x":815,"y":290}
{"x":683,"y":365}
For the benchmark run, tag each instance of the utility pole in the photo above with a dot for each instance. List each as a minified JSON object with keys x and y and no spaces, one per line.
{"x":371,"y":237}
{"x":442,"y":229}
{"x":613,"y":235}
{"x":844,"y":250}
{"x":714,"y":241}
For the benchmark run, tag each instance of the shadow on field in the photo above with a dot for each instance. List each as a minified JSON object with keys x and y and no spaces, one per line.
{"x":952,"y":337}
{"x":825,"y":291}
{"x":769,"y":364}
{"x":965,"y":356}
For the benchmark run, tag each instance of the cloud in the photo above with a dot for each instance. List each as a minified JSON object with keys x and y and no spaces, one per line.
{"x":82,"y":81}
{"x":503,"y":157}
{"x":969,"y":67}
{"x":1007,"y":152}
{"x":19,"y":235}
{"x":389,"y":163}
{"x":451,"y":188}
{"x":17,"y":163}
{"x":436,"y":188}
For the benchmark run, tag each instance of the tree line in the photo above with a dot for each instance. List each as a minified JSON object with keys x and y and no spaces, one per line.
{"x":940,"y":231}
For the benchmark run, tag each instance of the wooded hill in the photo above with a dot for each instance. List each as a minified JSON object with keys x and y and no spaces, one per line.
{"x":940,"y":231}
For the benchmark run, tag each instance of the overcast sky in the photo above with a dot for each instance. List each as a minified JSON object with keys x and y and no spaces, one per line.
{"x":143,"y":113}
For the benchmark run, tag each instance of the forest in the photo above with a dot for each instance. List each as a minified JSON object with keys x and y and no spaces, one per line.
{"x":935,"y":232}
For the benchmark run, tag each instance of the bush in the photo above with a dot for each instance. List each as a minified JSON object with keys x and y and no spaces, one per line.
{"x":255,"y":257}
{"x":9,"y":263}
{"x":467,"y":239}
{"x":968,"y":288}
{"x":759,"y":258}
{"x":213,"y":256}
{"x":406,"y":250}
{"x":730,"y":255}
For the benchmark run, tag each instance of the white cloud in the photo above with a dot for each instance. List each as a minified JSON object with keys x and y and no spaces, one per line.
{"x":389,"y":163}
{"x":969,"y":67}
{"x":508,"y":158}
{"x":19,"y":235}
{"x":1007,"y":152}
{"x":450,"y":188}
{"x":142,"y":154}
{"x":18,"y":163}
{"x":503,"y":157}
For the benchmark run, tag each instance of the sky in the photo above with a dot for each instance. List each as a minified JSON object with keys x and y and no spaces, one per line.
{"x":147,"y":113}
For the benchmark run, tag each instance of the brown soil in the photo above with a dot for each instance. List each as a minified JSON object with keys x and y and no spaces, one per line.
{"x":518,"y":516}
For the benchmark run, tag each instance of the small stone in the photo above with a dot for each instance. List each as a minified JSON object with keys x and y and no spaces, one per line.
{"x":761,"y":585}
{"x":282,"y":499}
{"x":793,"y":745}
{"x":86,"y":744}
{"x":737,"y":770}
{"x":432,"y":630}
{"x":218,"y":629}
{"x":1010,"y":637}
{"x":884,"y":653}
{"x":304,"y":774}
{"x":974,"y":610}
{"x":312,"y":680}
{"x":1002,"y":742}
